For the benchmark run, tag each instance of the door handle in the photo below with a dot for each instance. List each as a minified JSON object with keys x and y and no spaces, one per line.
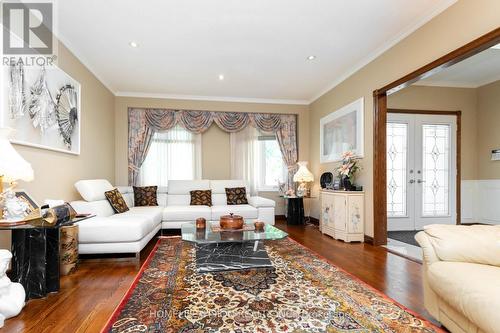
{"x":420,"y":181}
{"x":412,"y":181}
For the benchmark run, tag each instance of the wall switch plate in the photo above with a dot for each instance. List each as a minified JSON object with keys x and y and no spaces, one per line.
{"x":495,"y":155}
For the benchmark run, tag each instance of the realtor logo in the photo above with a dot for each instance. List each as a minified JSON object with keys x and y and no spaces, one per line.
{"x":27,"y":28}
{"x":28,"y":33}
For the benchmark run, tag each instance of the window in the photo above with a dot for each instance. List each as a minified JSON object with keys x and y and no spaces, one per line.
{"x":272,"y":169}
{"x":174,"y":154}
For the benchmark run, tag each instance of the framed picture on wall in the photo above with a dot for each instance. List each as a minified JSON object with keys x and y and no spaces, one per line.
{"x":342,"y":130}
{"x":42,"y":105}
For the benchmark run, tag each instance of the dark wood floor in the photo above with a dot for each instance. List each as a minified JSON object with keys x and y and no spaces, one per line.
{"x":89,"y":296}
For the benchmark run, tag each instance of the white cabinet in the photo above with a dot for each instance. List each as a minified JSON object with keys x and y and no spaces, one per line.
{"x":342,"y":215}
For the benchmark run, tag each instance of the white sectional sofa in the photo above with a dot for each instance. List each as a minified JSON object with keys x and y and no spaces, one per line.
{"x":129,"y":232}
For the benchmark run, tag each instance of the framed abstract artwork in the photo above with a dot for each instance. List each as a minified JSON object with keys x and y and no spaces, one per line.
{"x":42,"y":105}
{"x":341,"y":131}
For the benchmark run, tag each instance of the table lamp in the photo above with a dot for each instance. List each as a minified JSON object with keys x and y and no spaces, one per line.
{"x":302,"y":176}
{"x":12,"y":168}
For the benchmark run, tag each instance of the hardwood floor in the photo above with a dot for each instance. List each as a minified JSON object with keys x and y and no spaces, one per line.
{"x":88,"y":297}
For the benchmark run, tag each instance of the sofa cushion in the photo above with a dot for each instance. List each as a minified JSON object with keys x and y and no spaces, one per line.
{"x":116,"y":201}
{"x":93,"y":189}
{"x":185,"y":186}
{"x":178,"y":191}
{"x":115,"y":229}
{"x":236,"y":196}
{"x":186,"y":213}
{"x":201,"y":198}
{"x":100,"y":208}
{"x":472,"y":289}
{"x":218,"y":188}
{"x":247,"y":211}
{"x":155,"y":213}
{"x":145,"y":196}
{"x":475,"y":244}
{"x":259,"y":202}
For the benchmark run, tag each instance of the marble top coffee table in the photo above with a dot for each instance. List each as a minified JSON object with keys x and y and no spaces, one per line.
{"x":230,"y":250}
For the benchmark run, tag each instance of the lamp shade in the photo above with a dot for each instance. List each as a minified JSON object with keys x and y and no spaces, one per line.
{"x":12,"y":166}
{"x":303,"y":175}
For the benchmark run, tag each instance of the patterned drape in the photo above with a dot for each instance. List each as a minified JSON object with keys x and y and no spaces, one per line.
{"x":143,"y":123}
{"x":287,"y":140}
{"x":140,"y":134}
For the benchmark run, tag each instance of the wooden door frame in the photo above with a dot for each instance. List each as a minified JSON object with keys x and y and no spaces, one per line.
{"x":458,"y":153}
{"x":380,"y":122}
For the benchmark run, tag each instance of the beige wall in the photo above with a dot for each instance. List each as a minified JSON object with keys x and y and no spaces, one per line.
{"x":446,"y":99}
{"x":464,"y":21}
{"x":55,"y":172}
{"x":488,"y":130}
{"x":215,"y":150}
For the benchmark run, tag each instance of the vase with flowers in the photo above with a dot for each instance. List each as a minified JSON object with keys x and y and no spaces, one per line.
{"x":348,"y":169}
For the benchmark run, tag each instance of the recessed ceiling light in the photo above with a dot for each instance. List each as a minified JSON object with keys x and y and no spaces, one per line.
{"x":311,"y":57}
{"x":133,"y":44}
{"x":221,"y":77}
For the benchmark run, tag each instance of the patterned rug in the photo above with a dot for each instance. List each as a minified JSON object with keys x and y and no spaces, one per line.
{"x":302,"y":293}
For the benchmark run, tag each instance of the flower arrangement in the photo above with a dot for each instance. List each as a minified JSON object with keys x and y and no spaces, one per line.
{"x":349,"y":166}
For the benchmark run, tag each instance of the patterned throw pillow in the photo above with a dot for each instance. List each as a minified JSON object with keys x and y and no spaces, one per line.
{"x":236,"y":196}
{"x":201,"y":197}
{"x":116,"y":201}
{"x":145,"y":196}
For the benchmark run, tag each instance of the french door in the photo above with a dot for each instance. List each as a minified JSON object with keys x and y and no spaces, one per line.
{"x":421,"y":170}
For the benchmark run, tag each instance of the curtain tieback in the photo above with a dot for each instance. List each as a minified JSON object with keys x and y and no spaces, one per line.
{"x":133,"y":168}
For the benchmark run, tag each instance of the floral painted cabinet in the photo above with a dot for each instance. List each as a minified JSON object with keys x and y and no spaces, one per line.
{"x":342,"y":215}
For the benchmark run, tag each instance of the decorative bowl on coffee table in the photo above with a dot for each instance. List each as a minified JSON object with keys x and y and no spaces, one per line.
{"x":231,"y":222}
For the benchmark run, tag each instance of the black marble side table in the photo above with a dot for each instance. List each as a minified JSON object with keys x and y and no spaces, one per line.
{"x":35,"y":256}
{"x":295,"y":212}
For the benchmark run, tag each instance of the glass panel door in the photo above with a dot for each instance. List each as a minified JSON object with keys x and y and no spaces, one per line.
{"x":397,"y":137}
{"x":436,"y":167}
{"x":400,"y":176}
{"x":435,"y":170}
{"x":421,"y":171}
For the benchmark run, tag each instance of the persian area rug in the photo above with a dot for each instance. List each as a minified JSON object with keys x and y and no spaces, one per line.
{"x":302,"y":293}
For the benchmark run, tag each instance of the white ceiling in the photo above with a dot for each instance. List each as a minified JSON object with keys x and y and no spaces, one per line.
{"x":473,"y":72}
{"x":260,"y":46}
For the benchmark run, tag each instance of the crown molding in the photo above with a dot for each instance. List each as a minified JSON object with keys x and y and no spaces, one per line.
{"x":386,"y":46}
{"x":212,"y":98}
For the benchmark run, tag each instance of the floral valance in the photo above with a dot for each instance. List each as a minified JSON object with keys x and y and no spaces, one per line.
{"x":143,"y":123}
{"x":199,"y":121}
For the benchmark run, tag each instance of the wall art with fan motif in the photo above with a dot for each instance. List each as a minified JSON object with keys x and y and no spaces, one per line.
{"x":43,"y":106}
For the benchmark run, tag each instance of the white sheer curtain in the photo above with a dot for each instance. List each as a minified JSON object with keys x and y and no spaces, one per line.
{"x":245,"y":157}
{"x":174,"y":154}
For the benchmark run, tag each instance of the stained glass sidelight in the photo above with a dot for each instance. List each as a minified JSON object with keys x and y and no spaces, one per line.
{"x":436,"y":170}
{"x":397,"y":138}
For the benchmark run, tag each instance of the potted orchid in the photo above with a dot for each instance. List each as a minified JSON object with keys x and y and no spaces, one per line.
{"x":348,"y":169}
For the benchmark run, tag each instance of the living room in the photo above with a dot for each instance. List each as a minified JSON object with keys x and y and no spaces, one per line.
{"x":250,"y":167}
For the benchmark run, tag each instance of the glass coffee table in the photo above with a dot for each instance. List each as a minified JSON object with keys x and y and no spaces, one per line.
{"x":230,"y":250}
